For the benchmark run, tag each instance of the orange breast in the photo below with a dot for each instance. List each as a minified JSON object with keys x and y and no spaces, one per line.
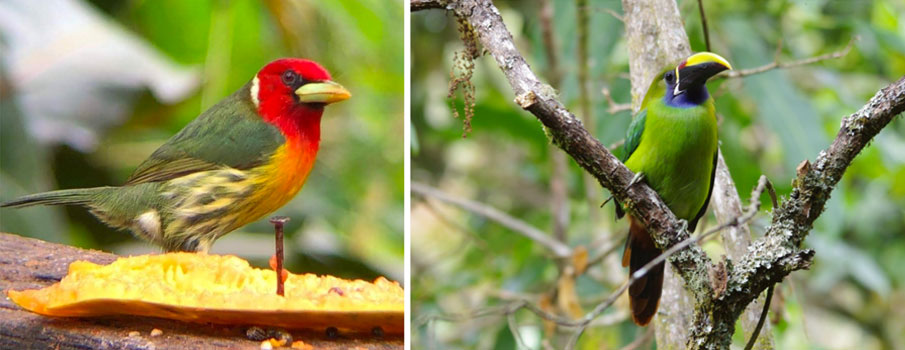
{"x":278,"y":181}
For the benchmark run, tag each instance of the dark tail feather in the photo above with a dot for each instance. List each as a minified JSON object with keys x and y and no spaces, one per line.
{"x":644,"y":294}
{"x":73,"y":196}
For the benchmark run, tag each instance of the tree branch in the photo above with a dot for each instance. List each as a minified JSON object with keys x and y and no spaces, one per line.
{"x":793,"y":220}
{"x":614,"y":107}
{"x":558,"y":249}
{"x":769,"y":259}
{"x":418,"y":5}
{"x":777,"y":64}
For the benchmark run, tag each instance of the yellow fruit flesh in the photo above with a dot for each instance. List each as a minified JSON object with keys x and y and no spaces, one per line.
{"x":197,"y":282}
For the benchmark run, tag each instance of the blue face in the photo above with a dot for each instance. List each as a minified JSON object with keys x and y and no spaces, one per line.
{"x":693,"y":96}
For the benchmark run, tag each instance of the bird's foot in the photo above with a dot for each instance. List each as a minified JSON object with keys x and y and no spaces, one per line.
{"x":639,"y":176}
{"x":606,"y":201}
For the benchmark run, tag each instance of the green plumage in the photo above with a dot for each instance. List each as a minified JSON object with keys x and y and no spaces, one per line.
{"x":672,"y":142}
{"x":675,"y":148}
{"x":167,"y":199}
{"x":241,"y":159}
{"x":228,"y":134}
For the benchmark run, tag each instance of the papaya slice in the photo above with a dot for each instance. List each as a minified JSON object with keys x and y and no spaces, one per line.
{"x":220,"y":289}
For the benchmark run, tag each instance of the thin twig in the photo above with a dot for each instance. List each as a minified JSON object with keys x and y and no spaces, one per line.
{"x":471,"y":235}
{"x":513,"y":327}
{"x":777,"y":64}
{"x":772,"y":192}
{"x":608,"y":249}
{"x":704,"y":24}
{"x":610,"y":319}
{"x":466,"y":316}
{"x":573,"y":340}
{"x":615,"y":14}
{"x":614,"y":107}
{"x":760,"y":322}
{"x":470,"y":238}
{"x":558,"y":249}
{"x":508,"y":295}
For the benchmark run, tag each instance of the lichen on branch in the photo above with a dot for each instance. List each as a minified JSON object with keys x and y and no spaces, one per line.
{"x":461,"y":73}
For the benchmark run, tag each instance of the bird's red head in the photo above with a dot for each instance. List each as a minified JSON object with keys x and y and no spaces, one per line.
{"x":291,"y":82}
{"x":291,"y":93}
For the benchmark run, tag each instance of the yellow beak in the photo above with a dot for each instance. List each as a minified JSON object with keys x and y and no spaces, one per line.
{"x":704,"y":57}
{"x":325,"y":92}
{"x":697,"y":69}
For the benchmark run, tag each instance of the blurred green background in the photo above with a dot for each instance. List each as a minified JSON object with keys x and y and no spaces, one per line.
{"x":850,"y":299}
{"x":169,"y":61}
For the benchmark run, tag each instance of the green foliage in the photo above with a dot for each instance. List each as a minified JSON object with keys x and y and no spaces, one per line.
{"x":769,"y":123}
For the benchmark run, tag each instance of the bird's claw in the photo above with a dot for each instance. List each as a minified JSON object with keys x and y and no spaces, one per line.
{"x":638,"y":177}
{"x":606,"y":201}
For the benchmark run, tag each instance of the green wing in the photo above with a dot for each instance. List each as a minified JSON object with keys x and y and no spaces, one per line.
{"x":633,"y":135}
{"x":228,"y":134}
{"x":694,"y":222}
{"x":632,"y":140}
{"x":656,"y":89}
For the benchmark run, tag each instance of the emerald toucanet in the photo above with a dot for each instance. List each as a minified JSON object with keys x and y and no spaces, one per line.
{"x":672,"y":142}
{"x":241,"y":159}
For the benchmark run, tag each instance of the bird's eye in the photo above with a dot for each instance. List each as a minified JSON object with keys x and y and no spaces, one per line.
{"x":670,"y":77}
{"x":290,"y":78}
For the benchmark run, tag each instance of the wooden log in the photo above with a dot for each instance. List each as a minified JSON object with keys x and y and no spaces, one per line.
{"x":27,"y":263}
